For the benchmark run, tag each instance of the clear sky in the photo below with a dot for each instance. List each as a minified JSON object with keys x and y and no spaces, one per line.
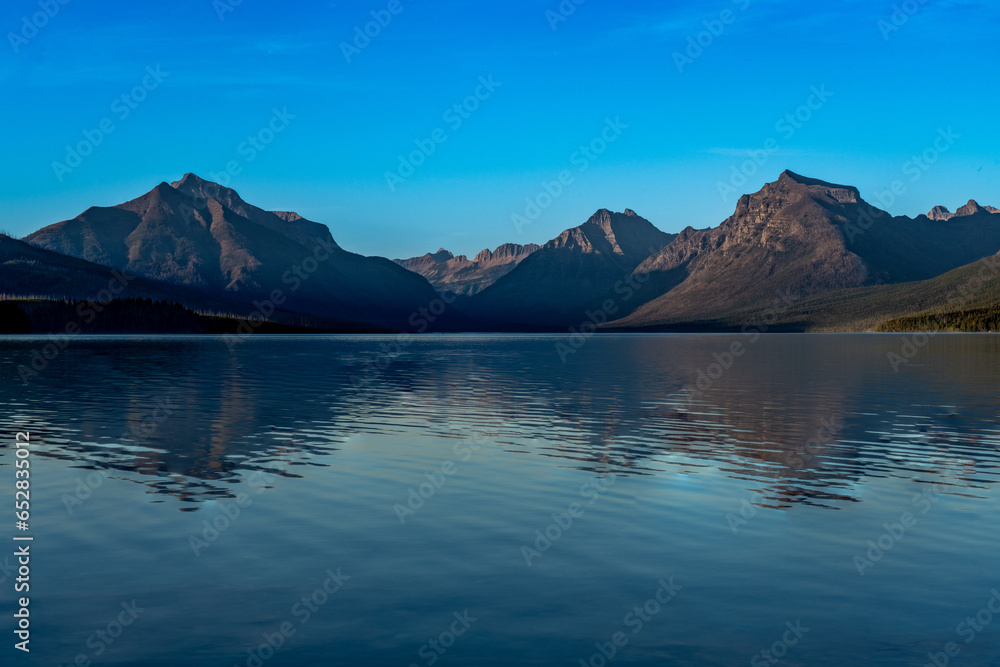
{"x":890,"y":90}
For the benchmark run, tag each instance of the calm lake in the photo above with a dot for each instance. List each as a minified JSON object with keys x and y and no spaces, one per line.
{"x":507,"y":500}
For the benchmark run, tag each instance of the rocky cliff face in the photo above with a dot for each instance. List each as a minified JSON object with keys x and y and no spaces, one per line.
{"x":505,"y":254}
{"x":804,"y":237}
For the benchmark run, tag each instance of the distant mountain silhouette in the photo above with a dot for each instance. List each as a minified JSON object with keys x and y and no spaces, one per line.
{"x":426,"y":262}
{"x":464,"y":277}
{"x":557,"y":283}
{"x":200,"y":234}
{"x":941,"y":213}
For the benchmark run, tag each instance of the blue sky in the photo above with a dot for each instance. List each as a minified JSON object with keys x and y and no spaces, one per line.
{"x":891,"y":88}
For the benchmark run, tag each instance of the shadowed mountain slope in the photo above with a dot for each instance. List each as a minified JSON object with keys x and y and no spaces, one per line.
{"x":199,"y":234}
{"x":557,"y":283}
{"x":799,"y":238}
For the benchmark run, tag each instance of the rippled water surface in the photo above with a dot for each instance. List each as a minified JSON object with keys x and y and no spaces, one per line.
{"x":507,"y":500}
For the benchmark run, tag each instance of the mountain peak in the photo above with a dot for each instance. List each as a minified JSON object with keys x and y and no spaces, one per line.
{"x":614,"y":233}
{"x":789,"y":177}
{"x":189,"y":178}
{"x":600,"y":214}
{"x":161,"y":195}
{"x":172,"y":235}
{"x":942,"y":214}
{"x":604,"y":218}
{"x":288,"y":223}
{"x":163,"y":188}
{"x":196,"y":186}
{"x":971,"y":208}
{"x":560,"y":280}
{"x":790,"y":182}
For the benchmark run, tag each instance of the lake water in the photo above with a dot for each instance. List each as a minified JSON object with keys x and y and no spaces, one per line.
{"x":507,"y":500}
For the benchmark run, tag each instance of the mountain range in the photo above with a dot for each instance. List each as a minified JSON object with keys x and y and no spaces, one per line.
{"x":808,"y":254}
{"x":464,"y":277}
